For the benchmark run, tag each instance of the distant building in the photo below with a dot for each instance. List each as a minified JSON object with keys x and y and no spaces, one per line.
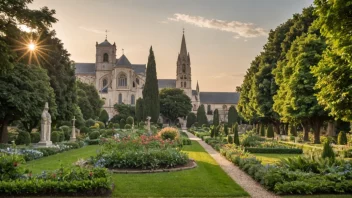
{"x":120,"y":81}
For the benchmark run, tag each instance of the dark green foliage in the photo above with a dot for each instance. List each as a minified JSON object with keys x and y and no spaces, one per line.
{"x":23,"y":138}
{"x":94,"y":135}
{"x":124,"y":112}
{"x":226,"y":129}
{"x":232,"y":116}
{"x":67,"y":132}
{"x":110,"y":125}
{"x":262,"y":130}
{"x":217,"y":130}
{"x":328,"y":152}
{"x":101,"y":124}
{"x":274,"y":150}
{"x":116,"y":125}
{"x":212,"y":132}
{"x":128,"y":126}
{"x":61,"y":136}
{"x":230,"y":139}
{"x":201,"y":116}
{"x":174,"y":103}
{"x":88,"y":100}
{"x":151,"y":104}
{"x":90,"y":122}
{"x":292,"y":130}
{"x":342,"y":138}
{"x":85,"y":130}
{"x":139,"y":110}
{"x":216,"y":118}
{"x":191,"y":119}
{"x":236,"y":138}
{"x":122,"y":123}
{"x":35,"y":137}
{"x":104,"y":116}
{"x":270,"y":131}
{"x":55,"y":136}
{"x":92,"y":142}
{"x":130,"y":120}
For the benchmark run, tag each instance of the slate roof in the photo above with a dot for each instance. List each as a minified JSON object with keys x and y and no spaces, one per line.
{"x":194,"y":92}
{"x":139,"y":68}
{"x":123,"y":61}
{"x":85,"y":68}
{"x":166,"y":83}
{"x":105,"y":43}
{"x":219,"y":97}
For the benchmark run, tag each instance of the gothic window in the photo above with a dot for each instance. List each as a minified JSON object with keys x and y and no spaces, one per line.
{"x":184,"y":68}
{"x":122,"y":81}
{"x":209,"y":108}
{"x":105,"y":82}
{"x":132,"y":100}
{"x":184,"y":84}
{"x":106,"y":58}
{"x":184,"y":77}
{"x":181,"y":84}
{"x":134,"y":84}
{"x":104,"y":89}
{"x":120,"y":98}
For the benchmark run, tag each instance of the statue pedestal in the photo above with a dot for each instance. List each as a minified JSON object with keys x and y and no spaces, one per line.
{"x":73,"y":134}
{"x":44,"y":144}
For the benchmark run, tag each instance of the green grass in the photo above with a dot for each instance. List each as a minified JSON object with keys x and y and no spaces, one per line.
{"x":272,"y":158}
{"x":320,"y":196}
{"x":207,"y":180}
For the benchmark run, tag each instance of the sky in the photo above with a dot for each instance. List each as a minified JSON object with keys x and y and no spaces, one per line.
{"x":222,"y":36}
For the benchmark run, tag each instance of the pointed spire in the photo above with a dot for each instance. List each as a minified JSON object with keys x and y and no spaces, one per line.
{"x":183,"y":50}
{"x":197,"y":88}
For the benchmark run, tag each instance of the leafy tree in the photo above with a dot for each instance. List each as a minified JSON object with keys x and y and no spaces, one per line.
{"x":233,"y":116}
{"x":342,"y":138}
{"x":124,"y":111}
{"x":191,"y":119}
{"x":139,"y":110}
{"x":130,"y":120}
{"x":270,"y":131}
{"x":24,"y":91}
{"x":236,"y":138}
{"x":104,"y":116}
{"x":216,"y":120}
{"x":89,"y":100}
{"x":151,"y":104}
{"x":174,"y":103}
{"x":334,"y":70}
{"x":201,"y":116}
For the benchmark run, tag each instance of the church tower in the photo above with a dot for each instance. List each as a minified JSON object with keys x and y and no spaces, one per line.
{"x":183,"y":73}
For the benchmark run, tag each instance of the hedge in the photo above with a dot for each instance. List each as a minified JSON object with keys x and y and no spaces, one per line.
{"x":93,"y":142}
{"x":274,"y":150}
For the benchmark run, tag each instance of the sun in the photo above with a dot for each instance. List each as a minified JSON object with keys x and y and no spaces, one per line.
{"x":31,"y":46}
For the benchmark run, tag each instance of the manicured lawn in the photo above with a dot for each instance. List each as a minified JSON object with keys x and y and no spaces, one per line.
{"x":272,"y":158}
{"x":320,"y":196}
{"x":207,"y":180}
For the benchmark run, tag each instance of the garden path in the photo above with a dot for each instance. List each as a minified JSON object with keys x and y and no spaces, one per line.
{"x":253,"y":188}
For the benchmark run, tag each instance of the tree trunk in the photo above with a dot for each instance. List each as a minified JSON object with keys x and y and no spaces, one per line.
{"x":305,"y":126}
{"x":331,"y":128}
{"x":277,"y":127}
{"x":286,"y":128}
{"x":4,"y":133}
{"x":316,"y":125}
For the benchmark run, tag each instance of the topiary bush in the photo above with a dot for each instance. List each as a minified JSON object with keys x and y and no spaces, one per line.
{"x":236,"y":138}
{"x":116,"y":125}
{"x":270,"y":131}
{"x":23,"y":137}
{"x":141,"y":125}
{"x":101,"y":124}
{"x":90,"y":122}
{"x":122,"y":123}
{"x":130,"y":120}
{"x":67,"y":132}
{"x":328,"y":152}
{"x":262,"y":130}
{"x":55,"y":136}
{"x":35,"y":137}
{"x":94,"y":135}
{"x":128,"y":126}
{"x":226,"y":129}
{"x":229,"y":139}
{"x":110,"y":125}
{"x":85,"y":130}
{"x":169,"y":133}
{"x":212,"y":132}
{"x":342,"y":138}
{"x":62,"y":136}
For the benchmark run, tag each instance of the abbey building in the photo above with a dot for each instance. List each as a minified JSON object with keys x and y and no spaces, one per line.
{"x":120,"y":81}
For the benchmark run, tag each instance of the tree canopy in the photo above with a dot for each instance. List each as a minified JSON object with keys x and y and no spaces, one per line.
{"x":88,"y":100}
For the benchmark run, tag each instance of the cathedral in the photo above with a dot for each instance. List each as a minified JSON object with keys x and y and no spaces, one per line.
{"x":120,"y":81}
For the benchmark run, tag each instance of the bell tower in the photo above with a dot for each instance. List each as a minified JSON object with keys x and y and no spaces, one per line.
{"x":183,"y":72}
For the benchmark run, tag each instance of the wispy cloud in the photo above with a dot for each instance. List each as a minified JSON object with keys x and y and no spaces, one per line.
{"x":231,"y":75}
{"x":88,"y":29}
{"x":240,"y":29}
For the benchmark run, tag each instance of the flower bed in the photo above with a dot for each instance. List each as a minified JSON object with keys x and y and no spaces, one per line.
{"x":274,"y":150}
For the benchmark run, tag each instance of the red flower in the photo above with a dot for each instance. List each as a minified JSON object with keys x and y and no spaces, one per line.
{"x":15,"y":164}
{"x":90,"y":173}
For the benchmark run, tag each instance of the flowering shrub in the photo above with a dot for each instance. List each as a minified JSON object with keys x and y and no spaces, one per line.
{"x":169,"y":133}
{"x":9,"y":167}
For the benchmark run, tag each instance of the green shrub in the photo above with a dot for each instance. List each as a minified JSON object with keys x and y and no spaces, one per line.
{"x":85,"y":130}
{"x":90,"y":122}
{"x":116,"y":125}
{"x":67,"y":132}
{"x":212,"y":132}
{"x":186,"y":141}
{"x":226,"y":129}
{"x":94,"y":135}
{"x":35,"y":137}
{"x":130,"y":120}
{"x":101,"y":124}
{"x":262,"y":130}
{"x":270,"y":131}
{"x":92,"y":142}
{"x":328,"y":152}
{"x":108,"y":133}
{"x":141,"y":125}
{"x":168,"y":133}
{"x":342,"y":138}
{"x":110,"y":125}
{"x":191,"y":119}
{"x":204,"y":125}
{"x":274,"y":150}
{"x":55,"y":136}
{"x":236,"y":138}
{"x":23,"y":137}
{"x":61,"y":136}
{"x":128,"y":126}
{"x":10,"y":168}
{"x":48,"y":151}
{"x":73,"y":145}
{"x":122,"y":123}
{"x":229,"y":139}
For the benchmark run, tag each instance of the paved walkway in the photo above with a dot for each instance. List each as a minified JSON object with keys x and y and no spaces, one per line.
{"x":253,"y":188}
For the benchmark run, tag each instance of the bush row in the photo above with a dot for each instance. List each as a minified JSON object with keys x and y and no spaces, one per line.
{"x":274,"y":150}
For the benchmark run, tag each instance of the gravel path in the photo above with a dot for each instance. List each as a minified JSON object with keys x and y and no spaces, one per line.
{"x":253,"y":188}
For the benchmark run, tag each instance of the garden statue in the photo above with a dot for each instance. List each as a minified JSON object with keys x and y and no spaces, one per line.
{"x":148,"y":125}
{"x":73,"y":133}
{"x":45,"y":128}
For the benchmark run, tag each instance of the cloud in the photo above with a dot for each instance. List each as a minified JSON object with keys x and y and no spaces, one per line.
{"x":231,"y":75}
{"x":164,"y":22}
{"x":240,"y":29}
{"x":96,"y":31}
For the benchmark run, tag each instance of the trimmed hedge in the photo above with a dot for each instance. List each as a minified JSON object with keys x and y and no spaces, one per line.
{"x":93,"y":142}
{"x":274,"y":150}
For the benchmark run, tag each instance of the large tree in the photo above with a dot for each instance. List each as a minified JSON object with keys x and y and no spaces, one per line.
{"x":139,"y":110}
{"x":334,"y":72}
{"x":191,"y":119}
{"x":201,"y":116}
{"x":216,"y":119}
{"x":24,"y":91}
{"x":151,"y":105}
{"x":174,"y":103}
{"x":89,"y":100}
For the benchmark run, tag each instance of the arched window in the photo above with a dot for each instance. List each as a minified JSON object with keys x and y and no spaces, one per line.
{"x":134,"y":84}
{"x":184,"y":68}
{"x":184,"y":84}
{"x":209,"y":108}
{"x":132,"y":100}
{"x":104,"y":88}
{"x":120,"y":98}
{"x":105,"y":82}
{"x":122,"y":82}
{"x":105,"y":57}
{"x":181,"y":84}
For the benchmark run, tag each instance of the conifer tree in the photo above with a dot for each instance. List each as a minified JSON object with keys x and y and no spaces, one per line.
{"x":342,"y":138}
{"x":262,"y":130}
{"x":191,"y":119}
{"x":216,"y":117}
{"x":151,"y":104}
{"x":201,"y":116}
{"x":328,"y":152}
{"x":233,"y":115}
{"x":270,"y":131}
{"x":236,"y":138}
{"x":139,"y":110}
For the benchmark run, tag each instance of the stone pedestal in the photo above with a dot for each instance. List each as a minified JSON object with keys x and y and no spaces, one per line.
{"x":44,"y":144}
{"x":73,"y":134}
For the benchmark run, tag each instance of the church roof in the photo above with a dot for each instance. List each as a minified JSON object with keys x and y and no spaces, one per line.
{"x":166,"y":83}
{"x":105,"y":43}
{"x":123,"y":61}
{"x":194,"y":92}
{"x":85,"y":68}
{"x":139,"y":68}
{"x":219,"y":97}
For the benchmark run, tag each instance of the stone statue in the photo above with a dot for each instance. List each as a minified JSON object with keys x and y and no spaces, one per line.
{"x":73,"y":133}
{"x":45,"y":129}
{"x":148,"y":125}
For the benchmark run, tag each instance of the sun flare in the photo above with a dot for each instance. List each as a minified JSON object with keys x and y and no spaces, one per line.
{"x":31,"y":46}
